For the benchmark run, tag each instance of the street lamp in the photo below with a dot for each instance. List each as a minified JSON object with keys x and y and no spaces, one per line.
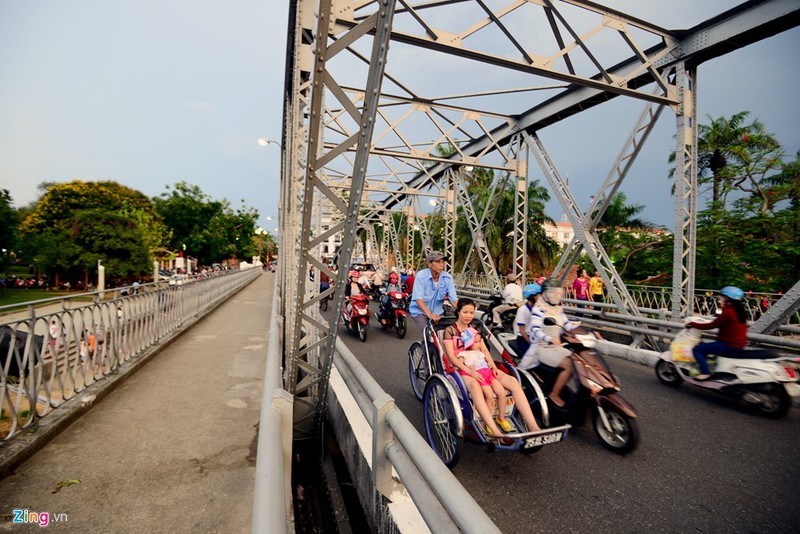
{"x":263,"y":141}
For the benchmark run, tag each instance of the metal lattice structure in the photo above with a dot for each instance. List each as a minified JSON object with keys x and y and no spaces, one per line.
{"x":386,"y":101}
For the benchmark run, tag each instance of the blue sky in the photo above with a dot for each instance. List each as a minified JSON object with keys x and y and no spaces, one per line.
{"x":153,"y":92}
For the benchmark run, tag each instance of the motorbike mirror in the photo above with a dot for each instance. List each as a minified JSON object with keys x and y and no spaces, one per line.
{"x":549,"y":321}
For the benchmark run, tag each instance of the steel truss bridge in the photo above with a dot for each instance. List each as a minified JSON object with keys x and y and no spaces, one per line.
{"x":369,"y":106}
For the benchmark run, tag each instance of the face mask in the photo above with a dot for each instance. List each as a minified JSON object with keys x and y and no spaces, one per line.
{"x":553,"y":296}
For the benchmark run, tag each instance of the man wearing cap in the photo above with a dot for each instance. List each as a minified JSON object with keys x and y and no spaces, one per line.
{"x":431,"y":287}
{"x":512,"y":299}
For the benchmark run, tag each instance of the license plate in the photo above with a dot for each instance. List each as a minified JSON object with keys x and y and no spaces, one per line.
{"x":536,"y":441}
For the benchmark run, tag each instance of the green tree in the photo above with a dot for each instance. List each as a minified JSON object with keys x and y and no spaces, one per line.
{"x":747,"y":235}
{"x":541,"y":249}
{"x":734,"y":155}
{"x":205,"y":228}
{"x":75,"y":224}
{"x":9,"y":226}
{"x":624,"y":235}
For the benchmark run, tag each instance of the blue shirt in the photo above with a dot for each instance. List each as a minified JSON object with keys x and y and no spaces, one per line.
{"x":432,"y":296}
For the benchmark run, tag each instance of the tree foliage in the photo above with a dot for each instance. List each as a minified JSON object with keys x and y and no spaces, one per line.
{"x":747,"y":233}
{"x":205,"y":228}
{"x":627,"y":238}
{"x":9,"y":222}
{"x":541,"y":248}
{"x":75,"y":224}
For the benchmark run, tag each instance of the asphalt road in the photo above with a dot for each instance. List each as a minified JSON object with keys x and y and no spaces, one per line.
{"x":703,"y":464}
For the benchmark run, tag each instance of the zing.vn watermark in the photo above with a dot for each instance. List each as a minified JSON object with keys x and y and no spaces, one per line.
{"x":36,"y":518}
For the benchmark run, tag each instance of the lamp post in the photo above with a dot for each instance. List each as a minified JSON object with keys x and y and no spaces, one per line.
{"x":263,"y":141}
{"x":260,"y":233}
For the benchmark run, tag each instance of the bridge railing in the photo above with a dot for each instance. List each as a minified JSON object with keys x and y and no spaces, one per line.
{"x":55,"y":349}
{"x":440,"y":498}
{"x":654,"y":301}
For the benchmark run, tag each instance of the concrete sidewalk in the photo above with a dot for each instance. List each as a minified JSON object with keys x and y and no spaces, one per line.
{"x":172,"y":449}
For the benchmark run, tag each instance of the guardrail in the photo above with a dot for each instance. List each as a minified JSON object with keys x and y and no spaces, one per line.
{"x":786,"y":336}
{"x":272,"y":499}
{"x":441,"y":499}
{"x":53,"y":350}
{"x":652,"y":298}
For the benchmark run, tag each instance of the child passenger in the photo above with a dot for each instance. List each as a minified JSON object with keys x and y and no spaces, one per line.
{"x":477,"y":361}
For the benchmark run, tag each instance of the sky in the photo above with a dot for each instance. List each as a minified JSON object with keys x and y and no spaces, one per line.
{"x":151,"y":93}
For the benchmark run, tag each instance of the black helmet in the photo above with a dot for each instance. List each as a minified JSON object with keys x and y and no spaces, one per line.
{"x":550,"y":283}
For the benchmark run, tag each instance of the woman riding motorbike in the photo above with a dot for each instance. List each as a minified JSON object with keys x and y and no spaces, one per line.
{"x":545,"y":338}
{"x":732,"y":324}
{"x":392,"y":286}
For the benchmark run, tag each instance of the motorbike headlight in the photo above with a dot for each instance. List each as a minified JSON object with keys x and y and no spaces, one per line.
{"x":363,"y":311}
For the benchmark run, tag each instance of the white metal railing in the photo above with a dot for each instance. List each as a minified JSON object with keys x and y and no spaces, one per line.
{"x":442,"y":501}
{"x":50,"y":351}
{"x":272,"y":500}
{"x":657,"y":301}
{"x":440,"y":498}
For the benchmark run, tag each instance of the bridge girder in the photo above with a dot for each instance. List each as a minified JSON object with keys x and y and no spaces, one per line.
{"x":364,"y":140}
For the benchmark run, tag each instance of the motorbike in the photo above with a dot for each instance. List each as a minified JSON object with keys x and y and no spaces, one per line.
{"x":375,"y":292}
{"x":762,"y":380}
{"x":355,"y":317}
{"x":506,"y":318}
{"x":394,"y":314}
{"x":593,"y":389}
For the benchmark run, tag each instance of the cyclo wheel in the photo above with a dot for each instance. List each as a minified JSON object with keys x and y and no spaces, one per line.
{"x":418,"y":370}
{"x":444,"y":421}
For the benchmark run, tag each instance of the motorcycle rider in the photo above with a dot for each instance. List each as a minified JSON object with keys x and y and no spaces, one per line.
{"x":530,"y":292}
{"x":393,"y":285}
{"x":512,"y":299}
{"x":732,"y":335}
{"x":353,"y":287}
{"x":377,"y":282}
{"x":545,"y":339}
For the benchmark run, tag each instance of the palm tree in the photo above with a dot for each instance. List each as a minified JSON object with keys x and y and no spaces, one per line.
{"x":731,"y":153}
{"x":618,"y":214}
{"x":541,"y":249}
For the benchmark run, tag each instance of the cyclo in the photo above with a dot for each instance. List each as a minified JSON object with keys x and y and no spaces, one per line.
{"x":449,"y":415}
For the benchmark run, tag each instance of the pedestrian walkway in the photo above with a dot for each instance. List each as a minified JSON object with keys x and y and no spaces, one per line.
{"x":172,"y":449}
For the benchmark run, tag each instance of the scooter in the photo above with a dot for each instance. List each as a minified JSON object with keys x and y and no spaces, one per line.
{"x":593,"y":389}
{"x":506,"y":318}
{"x":394,"y":315}
{"x":355,"y":317}
{"x":760,"y":379}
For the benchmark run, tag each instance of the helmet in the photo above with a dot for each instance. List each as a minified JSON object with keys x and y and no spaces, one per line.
{"x":531,"y":290}
{"x":550,"y":283}
{"x":393,"y":277}
{"x":552,"y":292}
{"x":733,"y":293}
{"x":354,"y":274}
